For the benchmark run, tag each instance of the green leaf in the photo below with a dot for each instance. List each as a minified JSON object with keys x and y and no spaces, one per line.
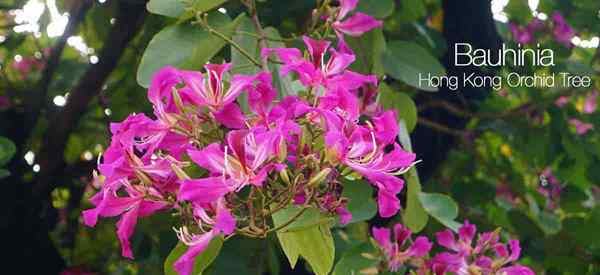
{"x":414,"y":216}
{"x":401,"y":102}
{"x":314,"y":244}
{"x":283,"y":84}
{"x":202,"y":261}
{"x":177,"y":8}
{"x":360,"y":200}
{"x":183,"y":46}
{"x":310,"y":218}
{"x":240,"y":63}
{"x":442,"y":208}
{"x":199,"y":6}
{"x":249,"y":43}
{"x":369,"y":49}
{"x":377,"y":8}
{"x":171,"y":8}
{"x":4,"y":173}
{"x":7,"y":150}
{"x":412,"y":10}
{"x":356,"y":260}
{"x":407,"y":61}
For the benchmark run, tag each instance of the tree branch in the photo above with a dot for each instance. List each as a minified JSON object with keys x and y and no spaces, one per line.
{"x":51,"y":160}
{"x":37,"y":100}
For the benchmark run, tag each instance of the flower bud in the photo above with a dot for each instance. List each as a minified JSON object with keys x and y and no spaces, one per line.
{"x":182,"y":175}
{"x":319,"y":177}
{"x":284,"y":176}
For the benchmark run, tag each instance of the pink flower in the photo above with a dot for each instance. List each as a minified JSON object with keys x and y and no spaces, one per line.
{"x":581,"y":128}
{"x":4,"y":102}
{"x":561,"y":101}
{"x":355,"y":25}
{"x":315,"y":72}
{"x":241,"y":162}
{"x":535,"y":25}
{"x":26,"y":65}
{"x":550,"y":187}
{"x":222,"y":222}
{"x":395,"y":257}
{"x":466,"y":259}
{"x":376,"y":162}
{"x":521,"y":35}
{"x":591,"y":103}
{"x":562,"y":31}
{"x":109,"y":204}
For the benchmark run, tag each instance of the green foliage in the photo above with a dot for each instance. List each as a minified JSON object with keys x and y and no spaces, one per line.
{"x":184,"y":46}
{"x":312,"y":241}
{"x":442,"y":208}
{"x":406,"y":61}
{"x":356,"y":260}
{"x":7,"y":150}
{"x":401,"y":102}
{"x":360,"y":200}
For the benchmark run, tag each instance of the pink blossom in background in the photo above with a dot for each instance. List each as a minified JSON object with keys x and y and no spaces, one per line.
{"x":550,"y":187}
{"x":535,"y":25}
{"x":562,"y":31}
{"x":4,"y":102}
{"x":591,"y":103}
{"x":581,"y":128}
{"x":561,"y":101}
{"x":487,"y":255}
{"x":26,"y":65}
{"x":398,"y":246}
{"x":519,"y":34}
{"x":356,"y":24}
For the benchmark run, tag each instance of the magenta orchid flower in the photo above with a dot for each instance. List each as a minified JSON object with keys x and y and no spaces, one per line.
{"x":380,"y":166}
{"x":561,"y":101}
{"x":211,"y":92}
{"x":222,"y":222}
{"x":465,"y":258}
{"x":581,"y":128}
{"x":392,"y":247}
{"x":354,"y":25}
{"x":243,"y":161}
{"x":521,"y":35}
{"x":316,"y":71}
{"x":591,"y":103}
{"x":130,"y":207}
{"x":562,"y":31}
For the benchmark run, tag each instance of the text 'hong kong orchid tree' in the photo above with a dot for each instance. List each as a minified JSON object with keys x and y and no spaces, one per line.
{"x":226,"y":172}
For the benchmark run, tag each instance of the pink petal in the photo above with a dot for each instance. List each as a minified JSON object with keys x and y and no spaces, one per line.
{"x":357,"y":24}
{"x":211,"y":158}
{"x":204,"y":190}
{"x":388,"y":204}
{"x":185,"y":264}
{"x":231,"y":116}
{"x":420,"y":247}
{"x":225,"y":222}
{"x":125,"y":228}
{"x":346,"y":6}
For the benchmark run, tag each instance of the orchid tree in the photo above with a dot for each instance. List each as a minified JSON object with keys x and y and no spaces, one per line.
{"x":295,"y":137}
{"x":280,"y":160}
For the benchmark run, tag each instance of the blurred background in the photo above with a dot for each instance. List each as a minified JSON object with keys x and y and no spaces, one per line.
{"x":524,"y":159}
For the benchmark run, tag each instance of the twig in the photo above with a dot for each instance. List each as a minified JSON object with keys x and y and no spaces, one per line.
{"x":251,"y":4}
{"x":230,"y":41}
{"x":290,"y":221}
{"x":440,"y":127}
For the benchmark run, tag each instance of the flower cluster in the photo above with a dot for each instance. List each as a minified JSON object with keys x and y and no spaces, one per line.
{"x":486,"y":256}
{"x":561,"y":31}
{"x":226,"y":171}
{"x":585,"y":105}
